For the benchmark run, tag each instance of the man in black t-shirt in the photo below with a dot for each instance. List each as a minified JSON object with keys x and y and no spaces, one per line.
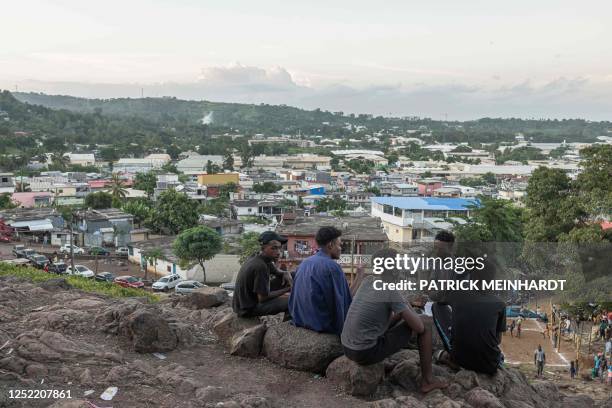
{"x":470,"y":324}
{"x":260,"y":286}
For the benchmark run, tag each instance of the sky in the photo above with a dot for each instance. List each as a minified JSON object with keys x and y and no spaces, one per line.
{"x":455,"y":59}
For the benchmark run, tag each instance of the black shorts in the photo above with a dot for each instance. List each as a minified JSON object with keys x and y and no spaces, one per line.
{"x":394,"y":339}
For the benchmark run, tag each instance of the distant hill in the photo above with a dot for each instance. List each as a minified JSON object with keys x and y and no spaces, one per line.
{"x":274,"y":119}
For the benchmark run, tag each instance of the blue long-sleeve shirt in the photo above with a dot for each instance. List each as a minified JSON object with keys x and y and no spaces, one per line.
{"x":320,"y":297}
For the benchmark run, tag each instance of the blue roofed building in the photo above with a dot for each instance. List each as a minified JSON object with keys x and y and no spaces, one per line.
{"x":410,"y":219}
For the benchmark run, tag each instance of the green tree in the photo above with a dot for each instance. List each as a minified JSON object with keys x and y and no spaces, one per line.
{"x":117,"y":187}
{"x":462,"y":149}
{"x":492,"y":220}
{"x":226,"y":189}
{"x":266,"y":187}
{"x":196,"y":245}
{"x":246,"y":155}
{"x":594,"y":183}
{"x":5,"y":202}
{"x":151,"y":256}
{"x":99,"y":200}
{"x":140,"y":209}
{"x":146,"y":182}
{"x":109,"y":154}
{"x":249,"y":243}
{"x":329,"y":204}
{"x":59,"y":160}
{"x":173,"y":213}
{"x":551,"y":208}
{"x":173,"y":151}
{"x":228,"y":161}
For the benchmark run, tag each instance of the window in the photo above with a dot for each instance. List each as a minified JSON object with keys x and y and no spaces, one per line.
{"x":169,"y":268}
{"x":387,"y":209}
{"x":397,"y":212}
{"x":302,"y":247}
{"x":5,"y":179}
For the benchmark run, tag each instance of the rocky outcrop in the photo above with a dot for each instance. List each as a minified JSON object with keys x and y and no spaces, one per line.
{"x":204,"y":298}
{"x":228,"y":325}
{"x":248,"y":342}
{"x":301,"y":349}
{"x":148,"y":332}
{"x":355,"y":379}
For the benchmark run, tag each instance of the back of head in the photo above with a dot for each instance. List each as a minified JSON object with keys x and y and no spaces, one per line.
{"x":325,"y":235}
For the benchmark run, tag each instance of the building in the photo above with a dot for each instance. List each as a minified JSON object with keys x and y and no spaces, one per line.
{"x":104,"y":227}
{"x":222,"y":268}
{"x":308,"y":161}
{"x":197,"y":163}
{"x":7,"y":183}
{"x":82,"y":159}
{"x":32,"y":199}
{"x":449,"y":192}
{"x":408,"y":219}
{"x":36,"y":224}
{"x":428,"y":186}
{"x":131,"y":165}
{"x":218,"y":179}
{"x":361,"y":237}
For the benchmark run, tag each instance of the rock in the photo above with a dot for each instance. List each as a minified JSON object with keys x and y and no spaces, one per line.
{"x":36,"y":371}
{"x":517,"y":404}
{"x":210,"y":394}
{"x":399,"y":402}
{"x":204,"y":298}
{"x":229,"y":324}
{"x":394,"y":359}
{"x":356,"y":379}
{"x":148,"y":332}
{"x":85,"y":378}
{"x":301,"y":349}
{"x":577,"y":401}
{"x":71,"y":403}
{"x":405,"y":374}
{"x":254,"y":401}
{"x":55,"y":284}
{"x":467,"y":379}
{"x":481,"y":398}
{"x":547,"y":390}
{"x":454,"y":390}
{"x":117,"y":374}
{"x":248,"y":342}
{"x":144,"y":367}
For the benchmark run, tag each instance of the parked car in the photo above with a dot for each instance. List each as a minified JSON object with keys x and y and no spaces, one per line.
{"x":96,"y":250}
{"x":80,"y":270}
{"x":65,"y":249}
{"x":5,"y":238}
{"x":129,"y":282}
{"x":229,"y":286}
{"x":39,"y":261}
{"x":167,"y":282}
{"x":18,"y":251}
{"x":29,"y":253}
{"x":122,"y":251}
{"x":58,"y":267}
{"x":105,"y":277}
{"x":188,"y":286}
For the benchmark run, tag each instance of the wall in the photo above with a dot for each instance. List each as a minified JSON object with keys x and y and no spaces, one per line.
{"x":222,"y":178}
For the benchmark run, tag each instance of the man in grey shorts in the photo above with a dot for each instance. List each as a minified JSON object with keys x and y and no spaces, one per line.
{"x":380,"y":323}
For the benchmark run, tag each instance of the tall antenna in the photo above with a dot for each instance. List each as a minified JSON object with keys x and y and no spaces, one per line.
{"x":141,"y":93}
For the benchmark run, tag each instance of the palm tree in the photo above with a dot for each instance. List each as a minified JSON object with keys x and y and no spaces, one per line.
{"x":117,"y":188}
{"x":60,"y":160}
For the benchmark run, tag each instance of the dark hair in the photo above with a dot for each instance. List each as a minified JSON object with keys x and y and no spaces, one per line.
{"x":445,"y":236}
{"x":325,"y":235}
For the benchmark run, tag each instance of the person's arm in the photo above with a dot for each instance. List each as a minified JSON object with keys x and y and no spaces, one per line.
{"x":261,"y":286}
{"x":413,"y":320}
{"x":285,"y":275}
{"x":357,"y":281}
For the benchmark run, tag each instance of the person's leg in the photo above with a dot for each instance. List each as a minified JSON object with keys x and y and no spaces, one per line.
{"x":428,"y":382}
{"x":271,"y":307}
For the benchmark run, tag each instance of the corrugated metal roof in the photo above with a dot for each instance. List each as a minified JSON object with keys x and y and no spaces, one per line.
{"x":426,"y":203}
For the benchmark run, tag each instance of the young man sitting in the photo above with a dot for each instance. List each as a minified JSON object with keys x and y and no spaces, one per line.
{"x":380,"y":323}
{"x":321,"y":296}
{"x":471,"y":325}
{"x":256,"y":294}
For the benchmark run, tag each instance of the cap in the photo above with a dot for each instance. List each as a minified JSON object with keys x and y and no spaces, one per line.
{"x":268,"y":236}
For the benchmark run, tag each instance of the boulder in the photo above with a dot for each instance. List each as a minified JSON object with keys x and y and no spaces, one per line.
{"x":399,"y":402}
{"x":204,"y":298}
{"x":406,"y":374}
{"x":356,"y":379}
{"x":148,"y":332}
{"x":229,"y":324}
{"x":577,"y":401}
{"x":248,"y":342}
{"x":301,"y":349}
{"x":481,"y":398}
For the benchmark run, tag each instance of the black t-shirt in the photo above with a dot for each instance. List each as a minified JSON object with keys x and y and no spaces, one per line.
{"x":478,"y":319}
{"x":253,"y":278}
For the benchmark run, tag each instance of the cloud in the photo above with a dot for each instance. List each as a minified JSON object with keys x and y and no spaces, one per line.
{"x":558,"y":98}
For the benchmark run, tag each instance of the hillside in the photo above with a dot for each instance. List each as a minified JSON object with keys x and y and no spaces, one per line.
{"x":284,"y":119}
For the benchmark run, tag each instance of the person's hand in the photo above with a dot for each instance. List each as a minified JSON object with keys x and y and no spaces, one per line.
{"x":287,"y":279}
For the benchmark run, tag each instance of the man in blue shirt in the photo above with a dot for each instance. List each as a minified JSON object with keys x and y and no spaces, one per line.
{"x":321,"y":297}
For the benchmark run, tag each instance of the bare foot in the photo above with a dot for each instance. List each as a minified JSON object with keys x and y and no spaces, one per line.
{"x":427,"y":386}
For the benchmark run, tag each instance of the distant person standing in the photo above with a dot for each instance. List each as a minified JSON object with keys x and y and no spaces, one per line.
{"x":512,"y":326}
{"x":539,"y":359}
{"x":572,"y":370}
{"x":519,"y":323}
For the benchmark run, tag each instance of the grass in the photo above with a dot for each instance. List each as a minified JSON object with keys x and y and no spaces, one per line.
{"x":78,"y":282}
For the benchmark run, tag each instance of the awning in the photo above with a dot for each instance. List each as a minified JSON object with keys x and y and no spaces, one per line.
{"x":106,"y":230}
{"x":33,"y":225}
